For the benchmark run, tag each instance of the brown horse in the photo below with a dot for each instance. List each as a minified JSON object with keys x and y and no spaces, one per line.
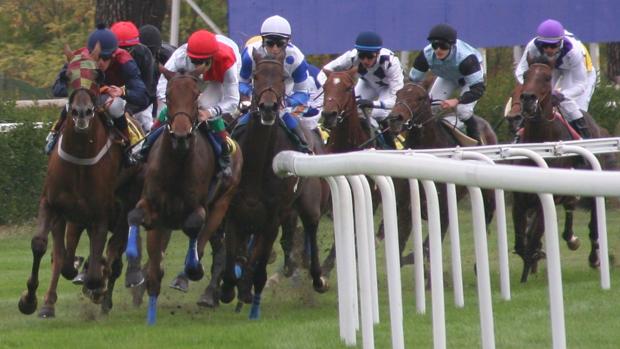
{"x":83,"y":175}
{"x":413,"y":110}
{"x":179,"y":192}
{"x":265,"y":200}
{"x":542,"y":124}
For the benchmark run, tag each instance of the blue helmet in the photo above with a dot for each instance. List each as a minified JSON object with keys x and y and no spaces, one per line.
{"x":368,"y":41}
{"x":107,"y":40}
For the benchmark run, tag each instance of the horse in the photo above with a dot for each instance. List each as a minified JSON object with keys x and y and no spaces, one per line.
{"x":81,"y":191}
{"x":179,"y":188}
{"x":412,"y":110}
{"x":265,"y":200}
{"x":542,"y":124}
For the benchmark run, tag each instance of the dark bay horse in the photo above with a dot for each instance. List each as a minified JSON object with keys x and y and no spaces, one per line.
{"x":425,"y":131}
{"x":542,"y":124}
{"x":83,"y":175}
{"x":265,"y":200}
{"x":179,"y":188}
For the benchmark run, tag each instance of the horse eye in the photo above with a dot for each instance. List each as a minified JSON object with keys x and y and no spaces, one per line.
{"x":89,"y":112}
{"x":74,"y":112}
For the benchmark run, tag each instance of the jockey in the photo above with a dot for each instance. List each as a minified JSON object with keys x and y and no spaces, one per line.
{"x":584,"y":100}
{"x":128,"y":38}
{"x":275,"y":36}
{"x":569,"y":79}
{"x":150,"y":37}
{"x":457,"y":65}
{"x":380,"y":75}
{"x":310,"y":118}
{"x":121,"y":77}
{"x":220,"y":95}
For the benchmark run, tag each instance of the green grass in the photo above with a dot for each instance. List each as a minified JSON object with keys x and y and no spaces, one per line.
{"x":293,"y":316}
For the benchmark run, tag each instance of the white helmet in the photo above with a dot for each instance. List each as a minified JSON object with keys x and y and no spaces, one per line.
{"x":276,"y":25}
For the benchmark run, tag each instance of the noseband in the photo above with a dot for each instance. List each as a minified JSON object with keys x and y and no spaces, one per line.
{"x":340,"y":110}
{"x":411,"y":123}
{"x":193,"y":119}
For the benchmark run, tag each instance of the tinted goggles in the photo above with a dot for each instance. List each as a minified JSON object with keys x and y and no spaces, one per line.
{"x":440,"y":45}
{"x":201,"y":61}
{"x":550,"y":45}
{"x":271,"y":42}
{"x":366,"y":55}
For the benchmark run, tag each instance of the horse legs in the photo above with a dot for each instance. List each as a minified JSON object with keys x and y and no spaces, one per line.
{"x":94,"y":282}
{"x":70,"y":268}
{"x":310,"y":220}
{"x":114,"y":251}
{"x":287,"y":241}
{"x":155,"y":273}
{"x":233,"y":244}
{"x":258,"y":264}
{"x":58,"y":254}
{"x":593,"y":258}
{"x":210,"y":296}
{"x":192,"y":227}
{"x":28,"y":300}
{"x":572,"y":241}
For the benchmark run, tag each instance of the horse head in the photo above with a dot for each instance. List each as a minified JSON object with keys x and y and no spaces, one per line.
{"x":411,"y":101}
{"x":182,"y":96}
{"x":536,"y":90}
{"x":339,"y":96}
{"x":269,"y":88}
{"x":83,"y":87}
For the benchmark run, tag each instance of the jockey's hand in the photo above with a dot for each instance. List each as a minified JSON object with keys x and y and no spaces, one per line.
{"x":365,"y":103}
{"x":203,"y":114}
{"x":449,"y":103}
{"x":556,"y":98}
{"x":115,"y":91}
{"x":298,"y":110}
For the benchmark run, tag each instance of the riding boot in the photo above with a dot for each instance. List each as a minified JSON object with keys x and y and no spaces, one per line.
{"x":581,"y":126}
{"x":388,"y":137}
{"x":301,"y":139}
{"x":121,"y":125}
{"x":218,"y":128}
{"x":471,"y":126}
{"x":142,"y":154}
{"x":52,"y":137}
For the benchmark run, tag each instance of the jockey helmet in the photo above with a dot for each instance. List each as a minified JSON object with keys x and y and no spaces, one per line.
{"x":276,"y":26}
{"x":442,"y":32}
{"x":550,"y":32}
{"x":150,"y":36}
{"x":368,"y":41}
{"x":105,"y":38}
{"x":201,"y":44}
{"x":126,"y":33}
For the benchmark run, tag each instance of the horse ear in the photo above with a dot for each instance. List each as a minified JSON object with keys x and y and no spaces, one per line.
{"x":529,"y":59}
{"x":256,"y":56}
{"x":327,"y":72}
{"x":68,"y":53}
{"x":94,"y":54}
{"x":353,"y":71}
{"x":165,"y":72}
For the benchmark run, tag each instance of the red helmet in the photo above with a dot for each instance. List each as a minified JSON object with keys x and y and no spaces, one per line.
{"x":201,"y":44}
{"x":126,"y":33}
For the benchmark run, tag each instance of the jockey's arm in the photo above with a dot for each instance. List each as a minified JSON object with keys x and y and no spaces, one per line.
{"x":395,"y":80}
{"x":523,"y":66}
{"x":230,"y":95}
{"x":301,"y":81}
{"x":135,"y":90}
{"x":578,"y":76}
{"x":419,"y":68}
{"x":245,"y":75}
{"x":471,"y":70}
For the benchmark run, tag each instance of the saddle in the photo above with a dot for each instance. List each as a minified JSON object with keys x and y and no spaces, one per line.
{"x":457,"y":129}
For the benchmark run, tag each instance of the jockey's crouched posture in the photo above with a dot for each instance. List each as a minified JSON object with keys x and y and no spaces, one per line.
{"x":121,"y":82}
{"x":220,"y":93}
{"x":275,"y":36}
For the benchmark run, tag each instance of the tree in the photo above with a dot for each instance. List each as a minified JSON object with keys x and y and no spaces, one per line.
{"x":613,"y":62}
{"x":138,"y":11}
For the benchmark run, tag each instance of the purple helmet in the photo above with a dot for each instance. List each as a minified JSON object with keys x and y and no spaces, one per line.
{"x":550,"y":31}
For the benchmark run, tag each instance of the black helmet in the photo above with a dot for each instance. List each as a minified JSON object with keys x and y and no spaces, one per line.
{"x":368,"y":41}
{"x":443,"y":32}
{"x":150,"y":36}
{"x":106,"y":39}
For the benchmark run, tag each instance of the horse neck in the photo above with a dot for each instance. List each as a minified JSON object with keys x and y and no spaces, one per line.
{"x":258,"y":145}
{"x":545,"y":128}
{"x":348,"y":135}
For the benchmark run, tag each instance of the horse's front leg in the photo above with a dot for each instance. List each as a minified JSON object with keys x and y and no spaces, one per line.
{"x":258,"y":265}
{"x":572,"y":241}
{"x":155,"y":273}
{"x":58,"y":255}
{"x":70,"y":266}
{"x":192,"y":227}
{"x":233,"y":242}
{"x":210,"y":296}
{"x":28,"y":301}
{"x":94,"y":283}
{"x":594,"y":257}
{"x":114,"y":252}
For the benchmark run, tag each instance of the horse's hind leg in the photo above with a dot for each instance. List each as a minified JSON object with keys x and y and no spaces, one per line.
{"x":258,"y":263}
{"x":572,"y":241}
{"x":594,"y":257}
{"x":58,"y":255}
{"x":115,"y":248}
{"x":155,"y":273}
{"x":28,"y":300}
{"x":210,"y":296}
{"x":287,"y":241}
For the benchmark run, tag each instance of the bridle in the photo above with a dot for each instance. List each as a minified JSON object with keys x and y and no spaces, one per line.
{"x":411,"y":122}
{"x":340,"y":109}
{"x":538,"y":110}
{"x":192,"y":118}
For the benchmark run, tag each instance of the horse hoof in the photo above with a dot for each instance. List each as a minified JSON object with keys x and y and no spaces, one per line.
{"x":180,"y":283}
{"x":288,"y":269}
{"x":574,"y":243}
{"x":79,"y":279}
{"x":594,"y":259}
{"x":134,"y":278}
{"x":69,"y":272}
{"x":209,"y":298}
{"x":27,"y":306}
{"x":47,"y":312}
{"x":322,"y":286}
{"x":195,"y":274}
{"x":238,"y":307}
{"x":227,"y":294}
{"x":106,"y":305}
{"x":137,"y":294}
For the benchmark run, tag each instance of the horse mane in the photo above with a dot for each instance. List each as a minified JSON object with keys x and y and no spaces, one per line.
{"x":542,"y":59}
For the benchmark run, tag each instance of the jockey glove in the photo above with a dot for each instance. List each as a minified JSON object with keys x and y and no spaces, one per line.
{"x":556,"y":98}
{"x":245,"y":89}
{"x":297,"y":98}
{"x":365,"y":103}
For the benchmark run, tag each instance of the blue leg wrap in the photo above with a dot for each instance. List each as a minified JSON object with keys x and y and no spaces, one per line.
{"x":191,"y":259}
{"x":255,"y":310}
{"x":290,"y":121}
{"x":151,"y":314}
{"x":238,"y":271}
{"x":132,"y":242}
